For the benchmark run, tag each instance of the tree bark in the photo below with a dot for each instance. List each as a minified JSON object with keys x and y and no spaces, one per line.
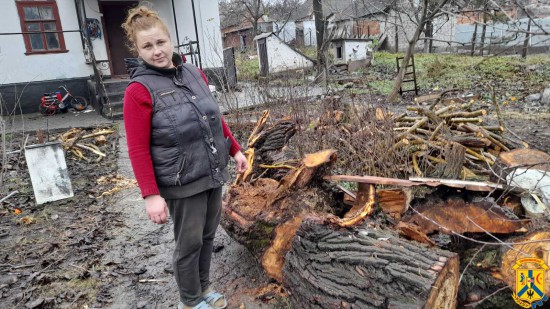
{"x":320,"y":34}
{"x":428,"y":34}
{"x":367,"y":268}
{"x":264,"y":214}
{"x":526,"y":42}
{"x":474,"y":38}
{"x":483,"y":32}
{"x":410,"y":50}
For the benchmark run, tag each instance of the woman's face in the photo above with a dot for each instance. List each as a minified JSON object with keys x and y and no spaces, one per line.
{"x":155,"y":47}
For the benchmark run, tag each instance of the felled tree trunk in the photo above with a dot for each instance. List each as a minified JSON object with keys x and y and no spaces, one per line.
{"x":457,"y":216}
{"x":367,"y":268}
{"x":533,"y":245}
{"x":491,"y":269}
{"x":265,"y":214}
{"x":481,"y":280}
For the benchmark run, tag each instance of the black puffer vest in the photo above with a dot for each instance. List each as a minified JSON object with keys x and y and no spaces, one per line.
{"x":189,"y":151}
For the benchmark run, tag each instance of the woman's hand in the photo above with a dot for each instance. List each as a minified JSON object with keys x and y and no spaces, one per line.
{"x":156,"y":208}
{"x":240,"y":162}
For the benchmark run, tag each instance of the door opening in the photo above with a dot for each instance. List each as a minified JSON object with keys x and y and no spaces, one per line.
{"x":114,"y":14}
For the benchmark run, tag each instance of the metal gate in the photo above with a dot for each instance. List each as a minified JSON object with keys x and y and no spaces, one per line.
{"x":230,"y":68}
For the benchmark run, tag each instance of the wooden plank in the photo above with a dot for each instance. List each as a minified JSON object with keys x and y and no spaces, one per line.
{"x":465,"y":184}
{"x":373,"y":180}
{"x":426,"y":98}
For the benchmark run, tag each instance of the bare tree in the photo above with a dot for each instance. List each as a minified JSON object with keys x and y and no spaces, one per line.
{"x":283,"y":11}
{"x":234,"y":12}
{"x":426,"y":11}
{"x":320,"y":25}
{"x":255,"y":9}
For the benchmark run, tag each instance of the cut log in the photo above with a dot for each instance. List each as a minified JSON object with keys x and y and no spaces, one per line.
{"x":471,"y":141}
{"x":394,"y":202}
{"x":367,"y":268}
{"x":458,"y":216}
{"x":480,"y":279}
{"x":411,"y":231}
{"x":264,"y":214}
{"x":535,"y":245}
{"x":523,"y":158}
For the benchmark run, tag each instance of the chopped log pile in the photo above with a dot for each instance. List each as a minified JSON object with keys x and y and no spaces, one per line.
{"x":452,"y":142}
{"x":78,"y":143}
{"x":441,"y":239}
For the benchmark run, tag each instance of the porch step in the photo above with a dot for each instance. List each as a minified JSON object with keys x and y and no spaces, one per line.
{"x":113,"y":110}
{"x":116,"y":96}
{"x":114,"y":92}
{"x":115,"y":85}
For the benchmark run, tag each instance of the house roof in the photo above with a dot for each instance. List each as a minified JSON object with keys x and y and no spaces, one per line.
{"x":348,"y":9}
{"x":265,"y":35}
{"x":352,"y":39}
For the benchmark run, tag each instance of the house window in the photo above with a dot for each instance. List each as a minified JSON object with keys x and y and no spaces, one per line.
{"x":41,"y":26}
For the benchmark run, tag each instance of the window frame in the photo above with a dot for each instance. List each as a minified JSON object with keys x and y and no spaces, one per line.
{"x":21,"y":4}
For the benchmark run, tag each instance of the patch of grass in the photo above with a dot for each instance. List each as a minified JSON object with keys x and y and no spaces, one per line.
{"x":248,"y":67}
{"x":359,"y":91}
{"x":463,"y":72}
{"x":382,"y":86}
{"x":385,"y":61}
{"x":309,"y":51}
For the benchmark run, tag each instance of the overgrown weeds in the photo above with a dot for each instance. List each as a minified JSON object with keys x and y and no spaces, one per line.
{"x":464,"y":72}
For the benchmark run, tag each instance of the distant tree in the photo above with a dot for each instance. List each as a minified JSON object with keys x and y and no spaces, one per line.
{"x":242,"y":10}
{"x":320,"y":27}
{"x":283,"y":11}
{"x":421,"y":13}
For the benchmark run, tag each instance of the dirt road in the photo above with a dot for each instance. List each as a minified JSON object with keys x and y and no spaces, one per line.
{"x":140,"y":252}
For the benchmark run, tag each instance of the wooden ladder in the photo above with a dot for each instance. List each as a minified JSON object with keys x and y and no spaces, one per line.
{"x":409,"y":76}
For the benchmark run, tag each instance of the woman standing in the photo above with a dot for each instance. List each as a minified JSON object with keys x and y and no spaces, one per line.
{"x":179,"y":146}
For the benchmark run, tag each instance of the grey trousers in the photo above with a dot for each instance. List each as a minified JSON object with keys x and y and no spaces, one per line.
{"x":195,"y":221}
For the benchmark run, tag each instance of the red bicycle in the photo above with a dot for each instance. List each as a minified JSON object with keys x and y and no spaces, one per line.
{"x":55,"y":102}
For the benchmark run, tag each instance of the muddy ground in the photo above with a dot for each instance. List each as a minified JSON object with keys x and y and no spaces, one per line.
{"x":94,"y":251}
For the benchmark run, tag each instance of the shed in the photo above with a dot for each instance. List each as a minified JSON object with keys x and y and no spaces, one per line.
{"x":347,"y":50}
{"x":277,"y":56}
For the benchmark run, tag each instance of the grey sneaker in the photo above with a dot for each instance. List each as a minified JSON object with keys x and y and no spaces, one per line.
{"x":201,"y":305}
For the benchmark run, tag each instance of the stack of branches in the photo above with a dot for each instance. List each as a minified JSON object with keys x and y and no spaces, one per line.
{"x":79,"y":143}
{"x":362,"y":133}
{"x":452,"y":142}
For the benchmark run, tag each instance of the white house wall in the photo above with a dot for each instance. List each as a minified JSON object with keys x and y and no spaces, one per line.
{"x":310,"y":34}
{"x":288,"y":33}
{"x":444,"y":31}
{"x":98,"y":44}
{"x":18,"y":67}
{"x":208,"y":27}
{"x":355,"y":50}
{"x":283,"y":58}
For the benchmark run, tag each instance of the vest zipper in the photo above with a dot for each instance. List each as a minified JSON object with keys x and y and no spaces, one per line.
{"x":182,"y":165}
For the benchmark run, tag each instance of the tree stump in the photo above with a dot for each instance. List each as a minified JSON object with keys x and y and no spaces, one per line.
{"x":367,"y":268}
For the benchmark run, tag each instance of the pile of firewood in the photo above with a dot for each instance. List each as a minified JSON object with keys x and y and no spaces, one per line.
{"x":77,"y":142}
{"x":421,"y":242}
{"x":453,"y":141}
